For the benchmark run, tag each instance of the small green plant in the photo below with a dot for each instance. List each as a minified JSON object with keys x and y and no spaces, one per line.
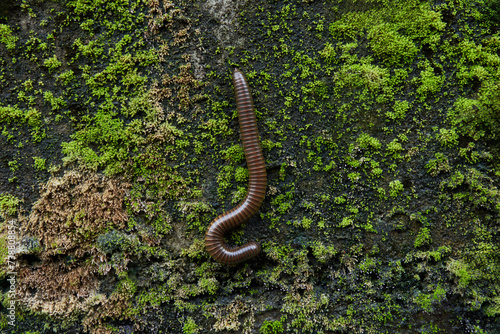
{"x":272,"y":327}
{"x":317,"y":89}
{"x":55,"y":102}
{"x":478,"y":117}
{"x":66,"y":77}
{"x":52,"y":64}
{"x":354,"y":176}
{"x":426,"y":301}
{"x":340,"y":200}
{"x":462,"y":270}
{"x":13,"y":165}
{"x":328,"y":53}
{"x":366,"y":141}
{"x":241,"y":174}
{"x":346,"y":221}
{"x":394,"y":148}
{"x":305,"y":223}
{"x":447,"y":137}
{"x":323,"y":253}
{"x":423,"y":238}
{"x":39,"y":163}
{"x":389,"y":45}
{"x":8,"y":204}
{"x":7,"y":38}
{"x":190,"y":326}
{"x":395,"y":188}
{"x":429,"y":83}
{"x":438,"y":165}
{"x":234,"y":153}
{"x":400,"y":108}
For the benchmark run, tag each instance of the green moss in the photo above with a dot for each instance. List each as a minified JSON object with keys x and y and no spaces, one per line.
{"x":305,"y":223}
{"x":224,"y":179}
{"x":29,"y":116}
{"x":52,"y":64}
{"x":354,"y":176}
{"x":7,"y":38}
{"x":90,"y":50}
{"x":55,"y":102}
{"x":462,"y":271}
{"x":389,"y":45}
{"x":13,"y":114}
{"x":477,"y":117}
{"x":215,"y":128}
{"x":395,"y":188}
{"x":438,"y":165}
{"x":39,"y":163}
{"x":340,"y":200}
{"x":372,"y":77}
{"x":429,"y":83}
{"x":13,"y":165}
{"x":422,"y":24}
{"x":195,"y":214}
{"x":234,"y":153}
{"x":208,"y":285}
{"x":190,"y":326}
{"x":447,"y":137}
{"x":283,"y":202}
{"x":400,"y":108}
{"x":9,"y":204}
{"x":4,"y":252}
{"x":366,"y":141}
{"x":317,"y":89}
{"x":423,"y":238}
{"x":328,"y":53}
{"x":346,"y":222}
{"x":368,"y":265}
{"x":350,"y":25}
{"x":114,"y":241}
{"x":394,"y":148}
{"x":272,"y":327}
{"x":114,"y":138}
{"x":241,"y":174}
{"x":323,"y":253}
{"x":66,"y":77}
{"x":438,"y":254}
{"x":426,"y":301}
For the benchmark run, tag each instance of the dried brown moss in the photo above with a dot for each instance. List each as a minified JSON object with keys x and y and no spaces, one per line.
{"x":116,"y":306}
{"x":74,"y":209}
{"x":71,"y":212}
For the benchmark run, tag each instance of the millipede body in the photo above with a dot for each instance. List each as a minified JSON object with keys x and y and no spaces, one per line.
{"x":214,"y":239}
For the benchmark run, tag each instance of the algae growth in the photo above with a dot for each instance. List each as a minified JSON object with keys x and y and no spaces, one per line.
{"x":120,"y":145}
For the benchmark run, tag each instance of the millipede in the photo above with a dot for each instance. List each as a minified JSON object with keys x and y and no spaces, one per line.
{"x":257,"y":183}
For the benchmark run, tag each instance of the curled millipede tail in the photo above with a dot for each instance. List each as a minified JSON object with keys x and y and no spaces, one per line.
{"x":214,"y":239}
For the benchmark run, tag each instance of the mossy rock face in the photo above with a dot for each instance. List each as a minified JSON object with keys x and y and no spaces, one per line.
{"x":120,"y":144}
